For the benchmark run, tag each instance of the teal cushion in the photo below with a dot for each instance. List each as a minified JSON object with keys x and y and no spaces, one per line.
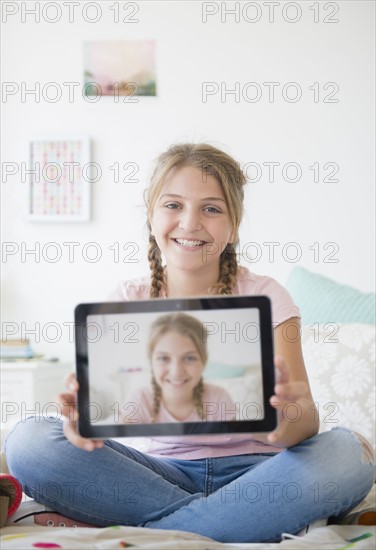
{"x":222,"y":370}
{"x":322,"y":300}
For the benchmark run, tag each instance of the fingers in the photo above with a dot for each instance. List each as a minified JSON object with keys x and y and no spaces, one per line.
{"x":288,"y":411}
{"x":284,"y":388}
{"x":68,"y":400}
{"x":276,"y":436}
{"x":68,"y":405}
{"x":70,"y":432}
{"x":70,"y":382}
{"x":291,"y":391}
{"x":282,"y":370}
{"x":285,"y":400}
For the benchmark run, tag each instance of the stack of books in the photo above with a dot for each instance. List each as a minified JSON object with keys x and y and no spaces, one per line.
{"x":15,"y":349}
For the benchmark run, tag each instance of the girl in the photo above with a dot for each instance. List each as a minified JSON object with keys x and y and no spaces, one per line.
{"x":232,"y":488}
{"x":178,"y":354}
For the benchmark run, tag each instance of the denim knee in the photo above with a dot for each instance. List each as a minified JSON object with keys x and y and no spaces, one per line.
{"x":342,"y":437}
{"x":351,"y":461}
{"x":28,"y":445}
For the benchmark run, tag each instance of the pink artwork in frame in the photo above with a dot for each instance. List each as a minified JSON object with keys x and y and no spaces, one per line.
{"x":59,"y":183}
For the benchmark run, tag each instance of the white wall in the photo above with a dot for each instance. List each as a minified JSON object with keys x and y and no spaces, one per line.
{"x":190,"y":52}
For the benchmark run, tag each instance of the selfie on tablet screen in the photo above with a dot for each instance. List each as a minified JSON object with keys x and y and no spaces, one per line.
{"x":176,"y":367}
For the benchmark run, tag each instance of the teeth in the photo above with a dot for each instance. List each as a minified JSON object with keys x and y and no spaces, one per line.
{"x":189,"y":243}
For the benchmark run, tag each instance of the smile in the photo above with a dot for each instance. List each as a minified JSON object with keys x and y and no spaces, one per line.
{"x":189,"y":244}
{"x":177,"y":382}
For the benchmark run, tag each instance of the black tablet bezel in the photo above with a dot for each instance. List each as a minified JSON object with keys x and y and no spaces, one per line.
{"x":101,"y":431}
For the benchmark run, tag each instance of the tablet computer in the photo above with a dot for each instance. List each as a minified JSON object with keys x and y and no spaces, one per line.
{"x":175,"y":367}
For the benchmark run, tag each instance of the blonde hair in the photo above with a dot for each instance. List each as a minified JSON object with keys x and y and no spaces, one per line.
{"x":214,"y":162}
{"x":188,"y":326}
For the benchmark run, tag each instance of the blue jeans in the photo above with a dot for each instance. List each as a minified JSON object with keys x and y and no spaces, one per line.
{"x":245,"y":498}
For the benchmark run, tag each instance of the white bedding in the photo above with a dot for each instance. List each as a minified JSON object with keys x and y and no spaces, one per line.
{"x":332,"y":537}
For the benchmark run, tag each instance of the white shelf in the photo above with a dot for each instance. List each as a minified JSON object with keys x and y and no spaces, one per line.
{"x":28,"y":388}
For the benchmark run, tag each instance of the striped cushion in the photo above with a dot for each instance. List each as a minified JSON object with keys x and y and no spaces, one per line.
{"x":322,"y":300}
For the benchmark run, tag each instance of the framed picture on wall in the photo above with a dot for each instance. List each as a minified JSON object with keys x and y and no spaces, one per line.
{"x":59,"y":179}
{"x":121,"y":69}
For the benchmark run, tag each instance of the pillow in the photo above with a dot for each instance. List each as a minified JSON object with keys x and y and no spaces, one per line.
{"x":322,"y":300}
{"x":223,"y":370}
{"x":244,"y":390}
{"x":340,"y":364}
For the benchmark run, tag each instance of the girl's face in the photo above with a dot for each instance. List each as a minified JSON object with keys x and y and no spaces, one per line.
{"x":176,"y":365}
{"x":190,"y":222}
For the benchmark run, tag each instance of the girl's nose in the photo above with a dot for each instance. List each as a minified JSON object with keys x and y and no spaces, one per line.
{"x":190,"y":221}
{"x":176,"y":368}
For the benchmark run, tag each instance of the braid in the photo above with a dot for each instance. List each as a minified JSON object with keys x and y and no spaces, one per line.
{"x":228,"y":272}
{"x":157,"y":395}
{"x":198,"y":393}
{"x":156,"y":270}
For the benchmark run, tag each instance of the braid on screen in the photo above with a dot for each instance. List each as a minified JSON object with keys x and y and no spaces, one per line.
{"x":198,"y":394}
{"x":157,"y":395}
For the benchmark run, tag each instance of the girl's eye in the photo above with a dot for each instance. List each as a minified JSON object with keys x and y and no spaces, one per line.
{"x":212,"y":210}
{"x":191,"y":358}
{"x":163,"y":358}
{"x":172,"y":206}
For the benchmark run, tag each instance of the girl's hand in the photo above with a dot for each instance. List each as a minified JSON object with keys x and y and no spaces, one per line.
{"x":286,"y":400}
{"x":68,"y":405}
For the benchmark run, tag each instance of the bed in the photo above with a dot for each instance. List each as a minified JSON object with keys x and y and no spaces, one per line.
{"x":339,"y":353}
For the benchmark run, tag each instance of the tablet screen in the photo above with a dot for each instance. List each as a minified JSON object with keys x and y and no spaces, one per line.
{"x":171,"y":367}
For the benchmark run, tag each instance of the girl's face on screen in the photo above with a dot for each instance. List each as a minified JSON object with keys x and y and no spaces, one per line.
{"x":176,"y":365}
{"x":191,"y":222}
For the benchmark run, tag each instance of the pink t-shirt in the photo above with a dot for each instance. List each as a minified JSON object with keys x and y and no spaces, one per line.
{"x":215,"y":401}
{"x":205,"y":446}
